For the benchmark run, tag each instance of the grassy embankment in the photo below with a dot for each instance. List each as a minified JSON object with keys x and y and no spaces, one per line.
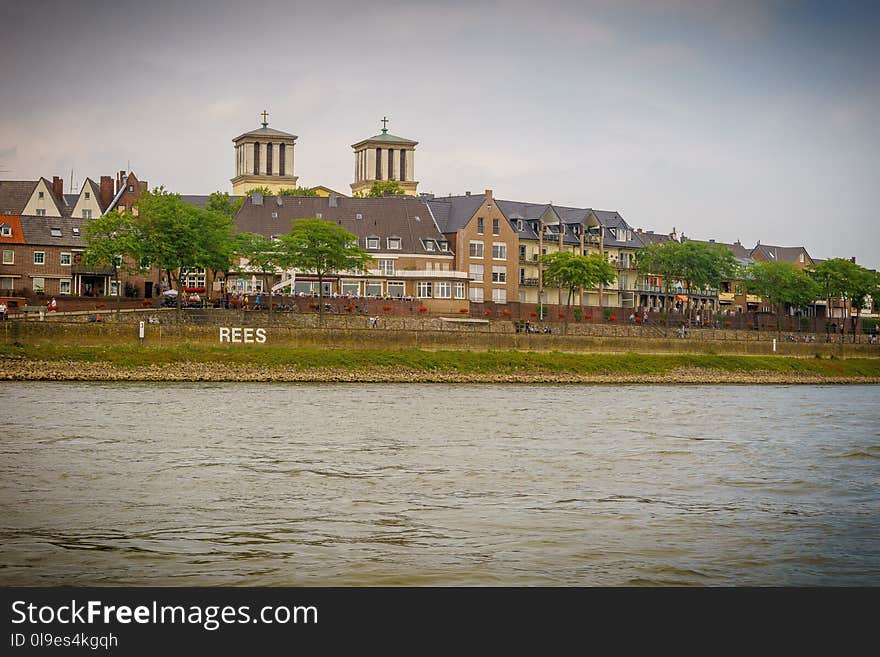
{"x":59,"y":362}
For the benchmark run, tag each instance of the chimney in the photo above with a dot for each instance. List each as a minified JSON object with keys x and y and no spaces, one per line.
{"x":332,"y":201}
{"x":120,"y":179}
{"x":853,"y":260}
{"x":106,"y":191}
{"x":467,"y":193}
{"x":639,"y":231}
{"x":58,"y":188}
{"x":488,"y":194}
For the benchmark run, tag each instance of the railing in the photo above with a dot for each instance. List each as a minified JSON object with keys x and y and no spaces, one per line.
{"x":419,"y":273}
{"x":529,"y":282}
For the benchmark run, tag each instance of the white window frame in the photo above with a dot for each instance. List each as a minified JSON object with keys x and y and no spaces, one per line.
{"x":499,"y":275}
{"x":481,"y":226}
{"x":459,"y":290}
{"x":499,"y":247}
{"x":476,"y":294}
{"x":372,"y":242}
{"x":476,"y":249}
{"x":6,"y":231}
{"x":346,"y":287}
{"x":42,"y":258}
{"x":11,"y":280}
{"x":496,"y":223}
{"x":368,"y":293}
{"x":396,"y":284}
{"x":429,"y":245}
{"x":62,"y":283}
{"x":86,"y":213}
{"x":41,"y":287}
{"x":386,"y":267}
{"x":69,"y":259}
{"x":424,"y":290}
{"x":442,"y":290}
{"x":11,"y":254}
{"x":476,"y":273}
{"x":394,"y":244}
{"x":41,"y":212}
{"x":499,"y":295}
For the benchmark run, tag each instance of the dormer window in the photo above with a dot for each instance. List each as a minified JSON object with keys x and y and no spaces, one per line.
{"x":519,"y":224}
{"x":394,"y":244}
{"x":275,"y":215}
{"x":6,"y":230}
{"x":76,"y":232}
{"x":444,"y":245}
{"x":359,"y":216}
{"x":372,"y":242}
{"x":55,"y":232}
{"x":428,"y":244}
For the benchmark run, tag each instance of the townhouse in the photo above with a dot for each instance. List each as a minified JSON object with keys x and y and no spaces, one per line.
{"x":411,"y":258}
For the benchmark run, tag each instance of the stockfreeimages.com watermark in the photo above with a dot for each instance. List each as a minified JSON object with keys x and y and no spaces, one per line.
{"x":209,"y":617}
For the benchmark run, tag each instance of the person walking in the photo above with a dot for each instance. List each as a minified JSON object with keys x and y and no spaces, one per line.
{"x":2,"y":312}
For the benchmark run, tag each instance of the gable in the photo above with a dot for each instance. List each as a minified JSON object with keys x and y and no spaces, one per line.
{"x":88,"y":199}
{"x":42,"y":199}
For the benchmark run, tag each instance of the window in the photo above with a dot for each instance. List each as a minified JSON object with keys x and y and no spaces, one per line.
{"x":6,"y":231}
{"x":499,"y":251}
{"x":282,"y":150}
{"x":76,"y":232}
{"x":477,"y":294}
{"x":499,"y":274}
{"x":476,"y":249}
{"x":499,"y":295}
{"x":65,"y":286}
{"x":442,"y":290}
{"x":195,"y":278}
{"x":41,"y":212}
{"x":443,"y":245}
{"x":480,"y":225}
{"x":318,"y":215}
{"x":86,"y":214}
{"x":378,"y":164}
{"x":269,"y":149}
{"x":358,"y":216}
{"x":496,"y":227}
{"x":131,"y":188}
{"x":459,"y":290}
{"x":373,"y":288}
{"x":386,"y":267}
{"x":519,"y":224}
{"x":801,"y":257}
{"x":41,"y":195}
{"x":114,"y":288}
{"x":424,"y":290}
{"x":372,"y":242}
{"x":476,"y":273}
{"x":256,"y":158}
{"x":394,"y":243}
{"x":65,"y":260}
{"x":88,"y":195}
{"x":6,"y":282}
{"x":402,"y":164}
{"x":396,"y":289}
{"x":39,"y":285}
{"x":738,"y":289}
{"x":8,"y":257}
{"x":429,"y":245}
{"x":522,"y":251}
{"x":55,"y":232}
{"x":39,"y":257}
{"x":352,"y":288}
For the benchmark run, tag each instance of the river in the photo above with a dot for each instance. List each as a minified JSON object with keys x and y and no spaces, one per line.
{"x":363,"y":484}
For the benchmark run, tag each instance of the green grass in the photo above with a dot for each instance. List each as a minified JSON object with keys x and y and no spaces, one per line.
{"x":500,"y":362}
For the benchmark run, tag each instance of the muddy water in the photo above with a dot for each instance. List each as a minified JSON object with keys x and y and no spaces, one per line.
{"x":360,"y":484}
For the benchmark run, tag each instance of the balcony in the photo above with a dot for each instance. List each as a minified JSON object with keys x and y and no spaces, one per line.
{"x":529,"y":282}
{"x":419,"y":273}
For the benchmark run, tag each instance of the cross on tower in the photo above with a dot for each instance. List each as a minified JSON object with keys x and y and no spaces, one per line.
{"x":265,"y":119}
{"x":384,"y":125}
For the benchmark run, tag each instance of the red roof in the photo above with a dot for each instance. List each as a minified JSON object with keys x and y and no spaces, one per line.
{"x":13,"y":221}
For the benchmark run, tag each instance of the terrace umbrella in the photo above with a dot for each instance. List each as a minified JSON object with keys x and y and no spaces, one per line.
{"x":170,"y":293}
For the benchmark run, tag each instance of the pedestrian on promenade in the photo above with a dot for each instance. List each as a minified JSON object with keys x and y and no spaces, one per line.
{"x":2,"y":312}
{"x":245,"y":302}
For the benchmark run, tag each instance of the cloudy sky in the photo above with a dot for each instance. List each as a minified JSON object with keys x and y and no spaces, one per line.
{"x":725,"y":119}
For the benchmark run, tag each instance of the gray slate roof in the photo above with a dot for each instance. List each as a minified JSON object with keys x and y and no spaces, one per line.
{"x":37,"y":231}
{"x":393,"y":216}
{"x":452,"y":213}
{"x":14,"y":195}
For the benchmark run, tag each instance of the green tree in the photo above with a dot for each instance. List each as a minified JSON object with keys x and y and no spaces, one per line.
{"x":220,"y":202}
{"x":782,"y":283}
{"x":263,"y":255}
{"x":843,"y":279}
{"x":322,"y":247}
{"x":658,"y":259}
{"x":176,"y":236}
{"x":703,"y":265}
{"x":112,"y":240}
{"x":382,"y":188}
{"x":296,"y":191}
{"x":573,"y":272}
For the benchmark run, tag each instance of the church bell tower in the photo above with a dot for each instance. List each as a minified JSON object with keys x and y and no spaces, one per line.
{"x":384,"y":157}
{"x":263,"y":158}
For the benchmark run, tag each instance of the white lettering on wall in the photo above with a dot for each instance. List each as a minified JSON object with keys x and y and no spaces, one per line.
{"x":242,"y":335}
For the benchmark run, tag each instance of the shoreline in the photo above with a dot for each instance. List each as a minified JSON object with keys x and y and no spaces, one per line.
{"x":22,"y":369}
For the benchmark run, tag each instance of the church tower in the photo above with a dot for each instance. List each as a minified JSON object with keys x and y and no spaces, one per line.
{"x":384,"y":157}
{"x":263,"y":158}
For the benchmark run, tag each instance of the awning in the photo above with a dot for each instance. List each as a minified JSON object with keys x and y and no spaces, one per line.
{"x":681,"y":297}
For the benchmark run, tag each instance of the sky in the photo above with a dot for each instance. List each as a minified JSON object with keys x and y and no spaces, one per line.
{"x":724,"y":120}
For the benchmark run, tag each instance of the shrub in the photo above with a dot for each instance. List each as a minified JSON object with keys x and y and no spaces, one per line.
{"x":387,"y":309}
{"x":578,"y":313}
{"x":607,"y":312}
{"x":612,"y":318}
{"x":350,"y":307}
{"x":540,"y":311}
{"x":561,"y":315}
{"x":463,"y":311}
{"x":588,"y":316}
{"x":423,"y":309}
{"x":487,"y":312}
{"x":506,"y":312}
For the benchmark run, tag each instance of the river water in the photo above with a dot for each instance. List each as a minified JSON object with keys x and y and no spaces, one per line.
{"x":363,"y":484}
